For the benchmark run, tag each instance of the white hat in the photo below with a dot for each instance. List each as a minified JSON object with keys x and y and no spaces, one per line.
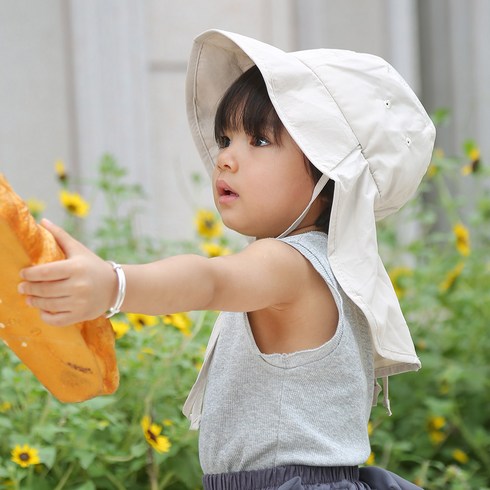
{"x":360,"y":124}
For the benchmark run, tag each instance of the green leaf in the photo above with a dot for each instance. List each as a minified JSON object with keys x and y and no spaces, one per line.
{"x":86,"y":458}
{"x":86,"y":486}
{"x":468,"y":146}
{"x":47,"y":455}
{"x":441,"y":116}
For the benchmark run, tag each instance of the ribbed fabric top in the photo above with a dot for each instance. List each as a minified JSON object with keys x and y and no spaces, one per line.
{"x":305,"y":408}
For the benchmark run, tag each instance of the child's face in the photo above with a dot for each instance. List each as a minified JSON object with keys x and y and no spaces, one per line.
{"x":260,"y":187}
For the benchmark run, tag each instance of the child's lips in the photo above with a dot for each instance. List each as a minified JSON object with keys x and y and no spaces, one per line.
{"x":225,"y":193}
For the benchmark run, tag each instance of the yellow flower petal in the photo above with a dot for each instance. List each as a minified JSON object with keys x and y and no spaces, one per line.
{"x":25,"y":456}
{"x":397,"y":276}
{"x":437,"y":422}
{"x":60,"y":170}
{"x":120,"y":328}
{"x":152,"y":433}
{"x":371,"y":460}
{"x":436,"y":437}
{"x":207,"y":224}
{"x":451,"y":277}
{"x":5,"y":407}
{"x":180,"y":321}
{"x":214,"y":249}
{"x":74,"y":203}
{"x":474,"y":154}
{"x":35,"y":206}
{"x":460,"y":456}
{"x":432,"y":171}
{"x":140,"y":321}
{"x":462,"y":236}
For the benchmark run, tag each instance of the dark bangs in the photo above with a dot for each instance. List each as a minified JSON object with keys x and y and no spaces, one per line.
{"x":246,"y":105}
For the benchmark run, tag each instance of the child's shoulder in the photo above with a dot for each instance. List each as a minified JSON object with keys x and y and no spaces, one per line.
{"x":289,"y":252}
{"x":308,"y":239}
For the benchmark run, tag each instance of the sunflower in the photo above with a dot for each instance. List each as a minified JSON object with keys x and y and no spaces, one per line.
{"x":451,"y":277}
{"x":371,"y":459}
{"x":436,"y":437}
{"x":180,"y":321}
{"x":5,"y":407}
{"x":207,"y":224}
{"x":74,"y":203}
{"x":433,"y":169}
{"x":152,"y":433}
{"x":436,"y":422}
{"x":120,"y":328}
{"x":59,"y":168}
{"x":398,"y":277}
{"x":140,"y":321}
{"x":460,"y":456}
{"x":25,"y":456}
{"x":473,"y":153}
{"x":462,"y":239}
{"x":214,"y":249}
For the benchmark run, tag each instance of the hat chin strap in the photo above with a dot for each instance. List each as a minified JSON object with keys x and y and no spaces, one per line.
{"x":316,"y":191}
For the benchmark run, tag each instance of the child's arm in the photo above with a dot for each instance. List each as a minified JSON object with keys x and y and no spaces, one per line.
{"x":84,"y":286}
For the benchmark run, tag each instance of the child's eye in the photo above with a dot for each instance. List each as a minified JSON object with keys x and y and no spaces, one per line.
{"x":260,"y":141}
{"x":223,"y":142}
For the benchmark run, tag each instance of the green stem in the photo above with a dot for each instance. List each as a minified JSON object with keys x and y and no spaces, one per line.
{"x":195,"y":331}
{"x":115,"y":481}
{"x":166,"y":480}
{"x":65,"y":477}
{"x":152,"y":470}
{"x":45,"y":411}
{"x":446,"y":198}
{"x":481,"y":452}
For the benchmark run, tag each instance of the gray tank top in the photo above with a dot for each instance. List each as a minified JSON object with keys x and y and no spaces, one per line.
{"x":306,"y":408}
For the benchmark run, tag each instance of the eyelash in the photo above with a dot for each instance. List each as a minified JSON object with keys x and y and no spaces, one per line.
{"x":261,"y":138}
{"x":224,"y":141}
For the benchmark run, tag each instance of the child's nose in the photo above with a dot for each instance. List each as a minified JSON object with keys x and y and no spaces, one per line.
{"x":227,"y":160}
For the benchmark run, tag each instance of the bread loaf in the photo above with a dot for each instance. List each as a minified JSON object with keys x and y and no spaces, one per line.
{"x":75,"y":363}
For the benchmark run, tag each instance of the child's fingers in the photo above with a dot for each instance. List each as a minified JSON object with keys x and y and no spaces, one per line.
{"x":67,"y":243}
{"x":54,"y":271}
{"x":52,"y":305}
{"x":57,"y":319}
{"x":54,"y":289}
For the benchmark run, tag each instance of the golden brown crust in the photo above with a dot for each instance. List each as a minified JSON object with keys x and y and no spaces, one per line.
{"x":74,"y":363}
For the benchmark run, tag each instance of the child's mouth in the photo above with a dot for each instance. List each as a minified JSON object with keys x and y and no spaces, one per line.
{"x":225,"y":193}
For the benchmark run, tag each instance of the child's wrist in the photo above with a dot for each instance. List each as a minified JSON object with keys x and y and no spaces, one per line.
{"x":121,"y":290}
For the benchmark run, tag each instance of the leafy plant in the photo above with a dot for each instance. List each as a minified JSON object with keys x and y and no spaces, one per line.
{"x":438,"y":436}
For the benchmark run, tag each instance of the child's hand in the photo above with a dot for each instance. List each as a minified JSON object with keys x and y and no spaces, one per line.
{"x":81,"y":287}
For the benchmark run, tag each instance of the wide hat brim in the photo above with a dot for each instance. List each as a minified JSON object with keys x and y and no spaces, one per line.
{"x":359,"y":123}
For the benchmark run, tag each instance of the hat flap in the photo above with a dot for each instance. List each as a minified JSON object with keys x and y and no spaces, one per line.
{"x":394,"y":131}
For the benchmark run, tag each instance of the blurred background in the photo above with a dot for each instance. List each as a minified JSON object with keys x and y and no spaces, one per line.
{"x":81,"y":78}
{"x":84,"y":79}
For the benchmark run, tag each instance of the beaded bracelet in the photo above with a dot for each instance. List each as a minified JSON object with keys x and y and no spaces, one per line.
{"x":121,"y":291}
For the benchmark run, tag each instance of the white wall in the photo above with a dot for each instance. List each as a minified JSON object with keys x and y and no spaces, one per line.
{"x":35,"y":117}
{"x":84,"y":77}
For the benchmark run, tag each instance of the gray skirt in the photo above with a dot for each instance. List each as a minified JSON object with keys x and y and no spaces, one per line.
{"x":297,"y":477}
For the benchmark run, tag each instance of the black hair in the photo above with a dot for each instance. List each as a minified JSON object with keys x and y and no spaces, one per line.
{"x":246,"y":105}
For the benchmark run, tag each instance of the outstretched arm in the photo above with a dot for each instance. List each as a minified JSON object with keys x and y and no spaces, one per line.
{"x":84,"y":286}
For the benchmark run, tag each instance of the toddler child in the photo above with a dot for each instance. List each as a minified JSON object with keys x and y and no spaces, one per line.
{"x":306,"y":151}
